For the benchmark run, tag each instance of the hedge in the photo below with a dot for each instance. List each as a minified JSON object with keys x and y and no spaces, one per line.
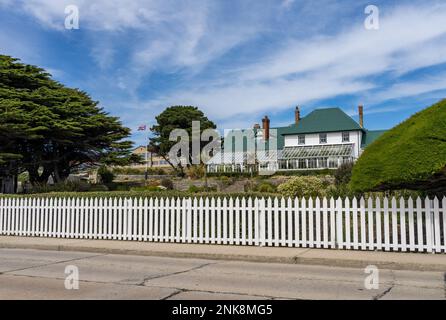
{"x":142,"y":194}
{"x":412,"y":155}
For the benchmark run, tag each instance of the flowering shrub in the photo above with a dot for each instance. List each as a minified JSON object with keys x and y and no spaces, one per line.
{"x":304,"y":186}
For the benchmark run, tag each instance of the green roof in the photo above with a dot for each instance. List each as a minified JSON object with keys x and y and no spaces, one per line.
{"x":319,"y":120}
{"x":323,"y":120}
{"x":369,"y":136}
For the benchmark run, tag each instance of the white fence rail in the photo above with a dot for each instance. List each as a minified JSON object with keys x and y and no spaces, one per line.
{"x":373,"y":224}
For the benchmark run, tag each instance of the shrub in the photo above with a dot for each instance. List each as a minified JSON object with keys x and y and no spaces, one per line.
{"x":196,"y":172}
{"x":147,"y":188}
{"x":303,"y":186}
{"x":227,"y":181}
{"x":266,"y":187}
{"x":106,"y":175}
{"x":344,"y":173}
{"x":98,"y":187}
{"x":167,"y":183}
{"x":194,"y":189}
{"x":67,"y":186}
{"x":412,"y":155}
{"x":140,"y":171}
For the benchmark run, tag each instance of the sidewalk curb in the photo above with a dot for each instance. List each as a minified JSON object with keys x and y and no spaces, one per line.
{"x":331,"y":262}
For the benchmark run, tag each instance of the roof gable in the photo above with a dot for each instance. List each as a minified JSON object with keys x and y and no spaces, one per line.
{"x":323,"y":120}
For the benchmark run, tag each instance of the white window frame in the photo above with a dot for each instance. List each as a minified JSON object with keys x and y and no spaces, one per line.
{"x":299,"y":139}
{"x":344,"y":135}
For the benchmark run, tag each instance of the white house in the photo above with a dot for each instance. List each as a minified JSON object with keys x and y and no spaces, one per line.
{"x":324,"y":139}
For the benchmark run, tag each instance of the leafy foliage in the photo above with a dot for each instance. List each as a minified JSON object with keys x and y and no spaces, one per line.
{"x":196,"y":171}
{"x":167,"y":183}
{"x":106,"y":175}
{"x":49,"y":129}
{"x":304,"y":186}
{"x":176,"y":117}
{"x":343,"y":174}
{"x":410,"y":156}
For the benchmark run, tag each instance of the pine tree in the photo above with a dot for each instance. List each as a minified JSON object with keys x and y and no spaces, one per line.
{"x":48,"y":129}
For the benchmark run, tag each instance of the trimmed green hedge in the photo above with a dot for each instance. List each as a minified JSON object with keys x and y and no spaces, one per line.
{"x":141,"y":194}
{"x":412,"y":155}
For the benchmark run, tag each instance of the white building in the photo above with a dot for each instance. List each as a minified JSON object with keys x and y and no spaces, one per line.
{"x":324,"y":139}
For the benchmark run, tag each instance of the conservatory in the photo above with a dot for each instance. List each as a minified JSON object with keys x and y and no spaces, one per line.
{"x":316,"y":157}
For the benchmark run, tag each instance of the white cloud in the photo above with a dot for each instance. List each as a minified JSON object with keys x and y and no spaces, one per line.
{"x":411,"y":88}
{"x":402,"y":29}
{"x":296,"y":68}
{"x":311,"y":70}
{"x":287,"y":3}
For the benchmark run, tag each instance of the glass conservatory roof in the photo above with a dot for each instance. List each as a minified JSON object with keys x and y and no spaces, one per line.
{"x":320,"y":151}
{"x":244,"y":157}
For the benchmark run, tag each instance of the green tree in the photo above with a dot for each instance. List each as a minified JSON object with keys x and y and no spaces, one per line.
{"x":410,"y":156}
{"x":176,"y":117}
{"x":51,"y":129}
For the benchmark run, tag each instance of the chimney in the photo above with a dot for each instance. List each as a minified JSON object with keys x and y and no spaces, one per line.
{"x":297,"y":115}
{"x":361,"y":116}
{"x":265,"y":122}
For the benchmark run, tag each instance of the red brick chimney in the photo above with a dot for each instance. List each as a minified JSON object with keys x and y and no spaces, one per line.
{"x":361,"y":116}
{"x":297,"y":115}
{"x":266,"y":123}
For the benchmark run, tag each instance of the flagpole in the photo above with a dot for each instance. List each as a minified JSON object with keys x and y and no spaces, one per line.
{"x":147,"y":156}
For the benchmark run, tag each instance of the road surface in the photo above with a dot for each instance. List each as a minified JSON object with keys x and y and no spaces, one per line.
{"x":36,"y":274}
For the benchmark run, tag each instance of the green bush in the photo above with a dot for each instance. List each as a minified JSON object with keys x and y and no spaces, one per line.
{"x":68,"y":186}
{"x":140,"y":171}
{"x":147,"y":188}
{"x":106,"y":175}
{"x":194,"y":189}
{"x":410,"y":156}
{"x":196,"y":172}
{"x":343,"y":174}
{"x":203,"y":189}
{"x":304,"y":186}
{"x":227,"y":181}
{"x":167,"y":183}
{"x":231,"y":174}
{"x":142,"y":194}
{"x":266,"y":187}
{"x":121,"y":186}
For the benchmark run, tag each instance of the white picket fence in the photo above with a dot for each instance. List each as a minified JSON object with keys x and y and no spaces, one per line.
{"x":375,"y":224}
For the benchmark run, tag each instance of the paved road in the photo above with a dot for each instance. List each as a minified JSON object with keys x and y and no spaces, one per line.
{"x":33,"y":274}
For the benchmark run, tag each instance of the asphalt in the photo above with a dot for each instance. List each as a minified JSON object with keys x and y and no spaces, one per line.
{"x":41,"y":274}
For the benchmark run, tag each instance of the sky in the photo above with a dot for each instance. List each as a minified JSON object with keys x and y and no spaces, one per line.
{"x":238,"y":60}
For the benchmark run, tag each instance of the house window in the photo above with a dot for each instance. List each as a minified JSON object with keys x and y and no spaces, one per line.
{"x":346,"y":137}
{"x":301,"y":139}
{"x":322,"y":138}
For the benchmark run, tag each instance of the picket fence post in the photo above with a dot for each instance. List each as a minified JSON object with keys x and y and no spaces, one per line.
{"x":372,"y":224}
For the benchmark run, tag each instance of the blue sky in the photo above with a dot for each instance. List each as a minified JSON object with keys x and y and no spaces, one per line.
{"x":237,"y":60}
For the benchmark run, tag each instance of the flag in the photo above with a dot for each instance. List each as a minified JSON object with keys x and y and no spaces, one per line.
{"x":142,"y":127}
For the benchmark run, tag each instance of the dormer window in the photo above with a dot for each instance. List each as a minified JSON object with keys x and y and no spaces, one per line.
{"x":322,"y":138}
{"x":301,"y":139}
{"x":346,"y":137}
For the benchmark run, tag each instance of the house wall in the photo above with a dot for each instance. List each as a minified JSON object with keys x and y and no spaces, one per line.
{"x":154,"y":160}
{"x":312,"y":139}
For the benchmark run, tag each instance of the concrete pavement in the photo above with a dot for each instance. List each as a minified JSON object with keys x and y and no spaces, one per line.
{"x":40,"y":274}
{"x":338,"y":258}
